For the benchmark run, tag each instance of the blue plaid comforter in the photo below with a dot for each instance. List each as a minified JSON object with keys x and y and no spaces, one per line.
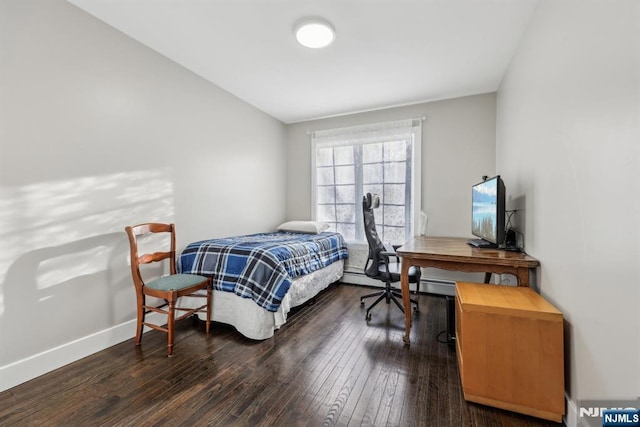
{"x":261,"y":266}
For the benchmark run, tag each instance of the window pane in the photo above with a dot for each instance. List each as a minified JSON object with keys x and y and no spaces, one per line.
{"x":347,"y":231}
{"x":326,"y":195}
{"x":394,"y":194}
{"x":394,"y":235}
{"x":324,"y":157}
{"x":372,"y":174}
{"x":394,"y":215}
{"x":346,"y":213}
{"x":394,"y":172}
{"x":324,"y":176}
{"x":345,"y":175}
{"x":345,"y":194}
{"x":371,"y":153}
{"x":395,"y":151}
{"x":326,"y":213}
{"x":343,"y":155}
{"x":332,"y":226}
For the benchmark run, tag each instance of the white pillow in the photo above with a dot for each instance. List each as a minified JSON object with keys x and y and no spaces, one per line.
{"x":310,"y":227}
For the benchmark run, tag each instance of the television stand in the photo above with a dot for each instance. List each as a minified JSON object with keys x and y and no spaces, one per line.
{"x":482,"y":244}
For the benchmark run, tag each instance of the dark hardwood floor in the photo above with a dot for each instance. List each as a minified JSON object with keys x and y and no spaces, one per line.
{"x":326,"y":366}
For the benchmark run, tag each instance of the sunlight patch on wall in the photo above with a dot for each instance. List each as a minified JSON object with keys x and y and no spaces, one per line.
{"x":58,"y":269}
{"x":43,"y":220}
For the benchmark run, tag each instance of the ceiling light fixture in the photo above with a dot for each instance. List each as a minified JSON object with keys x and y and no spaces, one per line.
{"x":315,"y":33}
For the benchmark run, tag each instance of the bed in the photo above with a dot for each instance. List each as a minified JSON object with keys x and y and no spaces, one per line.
{"x":259,"y":278}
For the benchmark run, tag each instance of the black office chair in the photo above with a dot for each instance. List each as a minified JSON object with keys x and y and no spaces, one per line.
{"x":383,"y":264}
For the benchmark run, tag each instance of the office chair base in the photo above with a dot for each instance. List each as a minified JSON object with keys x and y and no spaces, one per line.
{"x":388,"y":294}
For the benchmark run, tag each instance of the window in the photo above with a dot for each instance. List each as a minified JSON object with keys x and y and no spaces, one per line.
{"x":382,"y":158}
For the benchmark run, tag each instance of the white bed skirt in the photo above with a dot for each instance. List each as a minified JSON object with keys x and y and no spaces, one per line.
{"x":255,"y":322}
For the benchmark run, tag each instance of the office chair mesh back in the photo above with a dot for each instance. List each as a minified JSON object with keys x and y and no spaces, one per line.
{"x":376,"y":247}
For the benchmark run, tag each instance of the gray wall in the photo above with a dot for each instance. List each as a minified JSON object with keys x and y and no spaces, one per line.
{"x":98,"y":132}
{"x":568,"y":137}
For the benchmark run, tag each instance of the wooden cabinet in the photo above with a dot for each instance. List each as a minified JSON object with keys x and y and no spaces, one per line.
{"x":510,"y":349}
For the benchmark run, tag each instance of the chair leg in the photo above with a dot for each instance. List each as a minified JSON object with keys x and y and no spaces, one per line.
{"x":208,"y":307}
{"x":382,"y":296}
{"x":389,"y":294}
{"x":394,"y":299}
{"x":140,"y":320}
{"x":375,"y":294}
{"x":170,"y":324}
{"x":399,"y":295}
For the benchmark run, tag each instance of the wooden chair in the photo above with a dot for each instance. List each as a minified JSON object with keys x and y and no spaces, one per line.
{"x":169,"y":287}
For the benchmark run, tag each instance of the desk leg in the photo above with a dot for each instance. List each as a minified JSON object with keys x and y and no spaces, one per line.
{"x":406,"y":302}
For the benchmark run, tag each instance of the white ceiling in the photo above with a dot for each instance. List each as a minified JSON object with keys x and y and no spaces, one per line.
{"x":386,"y":52}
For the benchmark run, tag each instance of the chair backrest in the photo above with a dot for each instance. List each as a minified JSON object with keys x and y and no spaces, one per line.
{"x":369,"y":203}
{"x":134,"y":232}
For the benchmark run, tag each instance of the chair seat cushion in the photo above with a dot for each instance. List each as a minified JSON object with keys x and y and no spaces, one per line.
{"x":175,"y":282}
{"x":394,"y":270}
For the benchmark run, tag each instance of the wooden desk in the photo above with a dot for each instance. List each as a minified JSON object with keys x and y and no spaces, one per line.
{"x":453,"y":253}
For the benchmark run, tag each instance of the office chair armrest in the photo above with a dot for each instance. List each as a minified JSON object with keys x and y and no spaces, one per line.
{"x":385,"y":257}
{"x":388,"y":247}
{"x":389,"y":253}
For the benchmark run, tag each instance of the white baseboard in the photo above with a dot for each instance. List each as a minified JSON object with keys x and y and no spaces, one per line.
{"x":31,"y":367}
{"x":428,"y":285}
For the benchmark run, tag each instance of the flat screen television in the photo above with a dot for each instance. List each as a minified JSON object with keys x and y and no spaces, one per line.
{"x":488,"y":212}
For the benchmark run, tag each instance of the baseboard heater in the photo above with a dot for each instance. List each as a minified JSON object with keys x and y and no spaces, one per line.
{"x":427,"y":285}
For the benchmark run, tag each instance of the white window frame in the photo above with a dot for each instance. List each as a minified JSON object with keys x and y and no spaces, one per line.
{"x":373,"y":133}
